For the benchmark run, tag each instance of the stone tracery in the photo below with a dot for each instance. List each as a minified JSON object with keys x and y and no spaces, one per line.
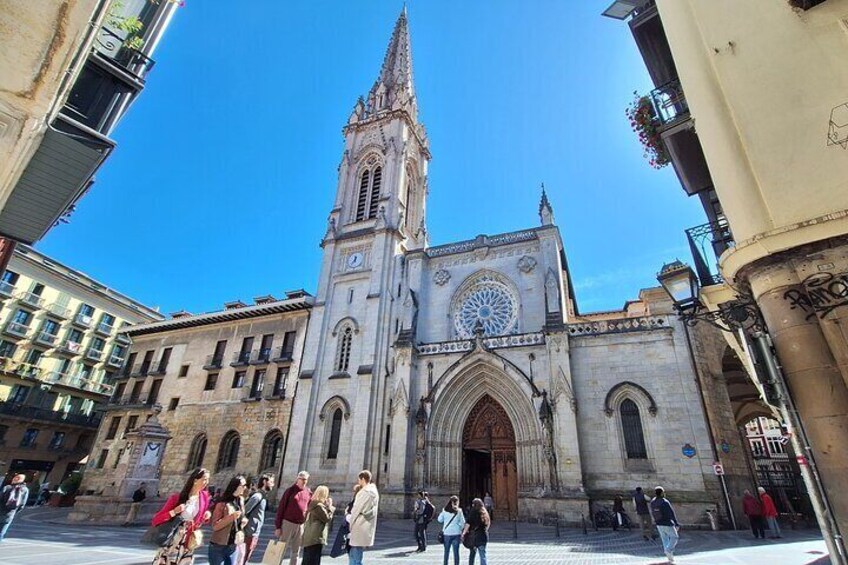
{"x":486,"y":299}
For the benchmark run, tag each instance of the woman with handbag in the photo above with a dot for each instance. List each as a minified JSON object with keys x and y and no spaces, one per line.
{"x":453,"y":522}
{"x":181,"y":516}
{"x":319,"y":515}
{"x":228,"y":524}
{"x":475,"y":535}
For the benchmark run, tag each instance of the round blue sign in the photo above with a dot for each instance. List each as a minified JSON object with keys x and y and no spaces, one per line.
{"x":688,"y":450}
{"x":725,"y":447}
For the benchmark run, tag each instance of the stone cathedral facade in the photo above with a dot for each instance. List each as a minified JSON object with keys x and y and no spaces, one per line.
{"x":466,"y":368}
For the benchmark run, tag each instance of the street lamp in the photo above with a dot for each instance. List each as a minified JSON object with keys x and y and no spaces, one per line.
{"x":681,"y":283}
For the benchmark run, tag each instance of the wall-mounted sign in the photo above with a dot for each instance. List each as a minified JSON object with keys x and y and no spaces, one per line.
{"x":689,"y":451}
{"x":725,"y":447}
{"x":718,"y":468}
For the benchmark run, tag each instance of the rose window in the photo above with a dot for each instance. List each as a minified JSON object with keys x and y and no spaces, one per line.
{"x":490,"y":303}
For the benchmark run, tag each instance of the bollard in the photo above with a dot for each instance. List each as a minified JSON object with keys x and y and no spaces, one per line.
{"x":583,"y":520}
{"x":515,"y":527}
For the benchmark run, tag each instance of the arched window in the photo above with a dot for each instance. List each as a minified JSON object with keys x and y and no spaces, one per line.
{"x":197,"y":452}
{"x":631,"y":425}
{"x":228,"y":453}
{"x":272,"y":449}
{"x":375,"y":192}
{"x":362,"y":200}
{"x":343,"y":352}
{"x":335,"y":434}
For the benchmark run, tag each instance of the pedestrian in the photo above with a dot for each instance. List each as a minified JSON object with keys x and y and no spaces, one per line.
{"x":769,"y":513}
{"x":453,"y":522}
{"x":291,"y":514}
{"x":137,"y":498}
{"x":640,"y":502}
{"x":192,"y":505}
{"x":617,"y":512}
{"x":228,"y":523}
{"x":754,"y":511}
{"x":422,"y":515}
{"x":44,"y":495}
{"x":254,"y":511}
{"x":489,"y":503}
{"x":319,"y":516}
{"x":666,"y":521}
{"x":363,"y":518}
{"x":13,"y":499}
{"x":477,"y":531}
{"x":340,"y":544}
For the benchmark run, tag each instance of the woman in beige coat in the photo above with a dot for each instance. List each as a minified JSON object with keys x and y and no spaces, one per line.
{"x":363,"y":518}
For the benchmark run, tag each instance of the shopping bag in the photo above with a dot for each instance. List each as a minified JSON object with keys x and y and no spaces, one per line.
{"x":274,"y":553}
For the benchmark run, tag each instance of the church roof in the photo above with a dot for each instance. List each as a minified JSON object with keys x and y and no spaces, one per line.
{"x":394,"y":87}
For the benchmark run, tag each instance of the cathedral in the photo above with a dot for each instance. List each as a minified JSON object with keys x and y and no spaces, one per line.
{"x":466,"y":368}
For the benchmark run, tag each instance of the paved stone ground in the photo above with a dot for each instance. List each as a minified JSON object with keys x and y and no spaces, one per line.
{"x":40,"y":536}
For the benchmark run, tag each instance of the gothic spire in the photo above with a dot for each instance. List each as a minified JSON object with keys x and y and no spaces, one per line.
{"x":546,"y":211}
{"x":394,"y":89}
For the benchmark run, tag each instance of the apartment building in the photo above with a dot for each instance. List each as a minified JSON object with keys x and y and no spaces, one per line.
{"x":60,"y":350}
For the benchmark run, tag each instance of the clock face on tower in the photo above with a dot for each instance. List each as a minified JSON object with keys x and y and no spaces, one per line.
{"x":354,"y":260}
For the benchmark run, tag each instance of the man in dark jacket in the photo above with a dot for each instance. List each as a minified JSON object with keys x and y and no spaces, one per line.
{"x":422,"y":515}
{"x":254,"y":511}
{"x":137,"y":498}
{"x":666,"y":521}
{"x":640,"y":502}
{"x":13,"y":498}
{"x":291,"y":514}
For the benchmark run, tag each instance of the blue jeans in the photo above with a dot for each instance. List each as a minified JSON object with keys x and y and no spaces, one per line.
{"x":481,"y":549}
{"x":354,"y":556}
{"x":6,"y":521}
{"x":774,"y":527}
{"x":452,"y":542}
{"x":222,"y":554}
{"x":669,"y":537}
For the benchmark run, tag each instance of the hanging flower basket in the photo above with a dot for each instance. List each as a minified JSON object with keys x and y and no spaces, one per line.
{"x":643,"y":121}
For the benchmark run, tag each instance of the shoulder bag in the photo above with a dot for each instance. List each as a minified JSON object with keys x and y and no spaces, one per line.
{"x":163,"y":534}
{"x":441,"y":535}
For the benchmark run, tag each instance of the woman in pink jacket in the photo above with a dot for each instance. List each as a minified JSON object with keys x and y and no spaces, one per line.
{"x":192,"y":505}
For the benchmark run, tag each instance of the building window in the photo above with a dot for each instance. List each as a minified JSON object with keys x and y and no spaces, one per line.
{"x":375,"y":192}
{"x":113,"y":427}
{"x":29,"y":437}
{"x":132,"y":422}
{"x":335,"y":435}
{"x":258,"y":383}
{"x":631,"y":425}
{"x":22,"y":317}
{"x":272,"y":450}
{"x":343,"y":352}
{"x":280,"y":382}
{"x":183,"y":371}
{"x":163,"y":361}
{"x":135,"y":393}
{"x":83,"y":442}
{"x":211,"y":381}
{"x":58,"y":440}
{"x":174,"y":403}
{"x":287,"y":352}
{"x":229,"y":450}
{"x":238,"y":379}
{"x":362,"y":200}
{"x":119,"y":392}
{"x":10,"y":277}
{"x":101,"y":460}
{"x":197,"y":452}
{"x":7,"y":349}
{"x":19,"y":394}
{"x":34,"y":356}
{"x":775,"y":446}
{"x":50,"y":327}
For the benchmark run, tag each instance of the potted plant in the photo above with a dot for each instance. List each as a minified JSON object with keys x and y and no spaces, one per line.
{"x":643,"y":121}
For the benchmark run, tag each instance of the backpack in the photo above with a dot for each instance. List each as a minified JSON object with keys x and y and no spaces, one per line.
{"x":657,"y":510}
{"x":429,"y":511}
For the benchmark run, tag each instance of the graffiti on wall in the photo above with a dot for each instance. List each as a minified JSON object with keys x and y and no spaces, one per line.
{"x":823,"y":293}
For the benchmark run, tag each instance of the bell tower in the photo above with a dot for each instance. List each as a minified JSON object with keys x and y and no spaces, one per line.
{"x":378,"y":215}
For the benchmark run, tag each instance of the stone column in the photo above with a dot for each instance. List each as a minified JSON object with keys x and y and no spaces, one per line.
{"x":812,"y":375}
{"x":147,"y":443}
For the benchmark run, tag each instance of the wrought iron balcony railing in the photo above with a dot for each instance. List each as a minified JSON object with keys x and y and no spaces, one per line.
{"x":16,"y":329}
{"x":82,"y":320}
{"x":241,"y":358}
{"x":214,"y":362}
{"x":282,"y":354}
{"x":70,"y":347}
{"x":670,"y":103}
{"x":30,"y":299}
{"x":113,"y":47}
{"x":28,"y":412}
{"x":94,"y":354}
{"x":160,"y":369}
{"x":104,"y":328}
{"x":707,"y":242}
{"x":115,"y":361}
{"x":46,"y":338}
{"x":261,"y":356}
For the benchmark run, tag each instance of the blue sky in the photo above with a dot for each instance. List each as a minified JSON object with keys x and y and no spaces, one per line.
{"x":226,"y":165}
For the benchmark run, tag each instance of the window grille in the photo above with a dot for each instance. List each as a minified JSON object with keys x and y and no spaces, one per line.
{"x":362,"y":201}
{"x":631,"y":424}
{"x":375,"y":192}
{"x":335,"y":435}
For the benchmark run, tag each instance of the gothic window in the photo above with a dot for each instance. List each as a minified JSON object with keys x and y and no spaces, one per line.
{"x":489,"y":301}
{"x":343,"y":352}
{"x":335,"y":435}
{"x":375,"y":192}
{"x":272,"y":449}
{"x":197,"y":452}
{"x":362,"y":200}
{"x":229,"y":451}
{"x":631,"y":426}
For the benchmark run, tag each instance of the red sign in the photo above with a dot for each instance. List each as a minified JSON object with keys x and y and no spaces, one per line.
{"x":801,"y":460}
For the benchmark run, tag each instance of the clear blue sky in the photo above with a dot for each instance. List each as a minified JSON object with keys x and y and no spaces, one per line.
{"x":226,"y":165}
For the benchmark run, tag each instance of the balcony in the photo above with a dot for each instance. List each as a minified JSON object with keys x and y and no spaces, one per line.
{"x":30,"y":300}
{"x":6,"y":289}
{"x":213,"y":362}
{"x":283,"y":355}
{"x":123,"y":339}
{"x":670,"y":104}
{"x":261,"y":357}
{"x":141,"y":370}
{"x":115,"y":361}
{"x":82,"y":320}
{"x":93,"y":354}
{"x":26,"y":412}
{"x":240,"y":359}
{"x":58,"y":311}
{"x":707,"y":242}
{"x":27,"y":371}
{"x":16,"y":330}
{"x":160,"y":369}
{"x":46,"y":338}
{"x":69,"y":347}
{"x":111,"y":46}
{"x":104,"y":329}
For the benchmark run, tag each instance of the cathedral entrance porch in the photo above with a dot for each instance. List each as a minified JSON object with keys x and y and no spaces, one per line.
{"x":489,"y":458}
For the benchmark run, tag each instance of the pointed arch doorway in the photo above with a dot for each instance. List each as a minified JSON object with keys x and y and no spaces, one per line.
{"x":488,"y":457}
